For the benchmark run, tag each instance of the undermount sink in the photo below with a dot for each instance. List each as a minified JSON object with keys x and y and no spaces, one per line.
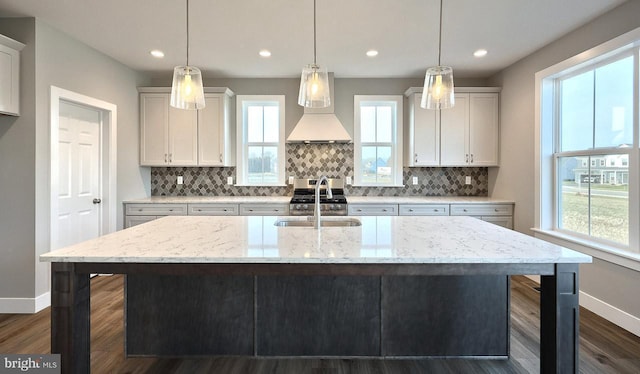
{"x":324,"y":222}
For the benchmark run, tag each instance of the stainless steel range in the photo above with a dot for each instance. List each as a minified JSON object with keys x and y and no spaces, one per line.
{"x":303,"y":199}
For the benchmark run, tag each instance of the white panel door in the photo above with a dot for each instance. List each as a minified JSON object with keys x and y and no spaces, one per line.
{"x":483,"y":129}
{"x":78,"y":174}
{"x":183,"y":137}
{"x":454,"y":133}
{"x":426,"y":135}
{"x":211,"y":131}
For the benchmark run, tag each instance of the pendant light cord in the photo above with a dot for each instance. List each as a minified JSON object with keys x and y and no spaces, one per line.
{"x":314,"y":32}
{"x":439,"y":35}
{"x":187,"y":32}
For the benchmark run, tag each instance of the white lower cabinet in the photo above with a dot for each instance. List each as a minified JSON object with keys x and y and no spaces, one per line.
{"x":213,"y":209}
{"x":499,"y":214}
{"x":423,"y":209}
{"x":373,"y":209}
{"x":264,"y":209}
{"x":130,"y":221}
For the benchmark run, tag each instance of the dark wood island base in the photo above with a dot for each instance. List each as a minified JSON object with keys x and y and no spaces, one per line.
{"x":399,"y":293}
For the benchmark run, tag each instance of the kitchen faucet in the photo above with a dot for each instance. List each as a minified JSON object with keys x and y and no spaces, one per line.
{"x":316,"y":211}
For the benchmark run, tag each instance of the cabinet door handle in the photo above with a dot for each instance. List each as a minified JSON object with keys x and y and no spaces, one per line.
{"x":472,"y":158}
{"x":170,"y":157}
{"x":416,"y":155}
{"x":220,"y":157}
{"x":166,"y":160}
{"x":466,"y":158}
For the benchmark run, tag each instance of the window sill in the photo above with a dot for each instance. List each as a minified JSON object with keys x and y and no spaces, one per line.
{"x":600,"y":251}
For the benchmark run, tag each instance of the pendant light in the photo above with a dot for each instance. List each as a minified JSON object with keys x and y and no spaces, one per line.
{"x":186,"y":89}
{"x":438,"y":81}
{"x":314,"y":82}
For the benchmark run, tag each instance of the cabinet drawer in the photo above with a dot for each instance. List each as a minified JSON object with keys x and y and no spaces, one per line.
{"x":130,"y":221}
{"x":373,"y":209}
{"x":481,"y":209}
{"x":264,"y":209}
{"x":504,"y":221}
{"x":213,"y":209}
{"x":423,"y":210}
{"x":156,"y":210}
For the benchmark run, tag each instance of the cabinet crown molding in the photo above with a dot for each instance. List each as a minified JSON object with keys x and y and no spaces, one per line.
{"x":222,"y":90}
{"x":413,"y":90}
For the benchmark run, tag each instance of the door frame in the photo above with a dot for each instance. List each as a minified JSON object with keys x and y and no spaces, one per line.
{"x":108,"y":158}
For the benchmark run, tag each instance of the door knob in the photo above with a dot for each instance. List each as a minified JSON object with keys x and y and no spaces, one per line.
{"x":97,"y":201}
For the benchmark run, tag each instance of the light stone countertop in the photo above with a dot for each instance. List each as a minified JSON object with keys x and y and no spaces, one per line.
{"x":390,"y":239}
{"x":286,"y":199}
{"x":426,"y":200}
{"x":211,"y":199}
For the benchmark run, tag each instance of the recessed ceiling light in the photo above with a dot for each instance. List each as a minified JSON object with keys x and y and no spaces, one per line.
{"x":372,"y":53}
{"x":265,"y":53}
{"x":157,"y":53}
{"x":480,"y":53}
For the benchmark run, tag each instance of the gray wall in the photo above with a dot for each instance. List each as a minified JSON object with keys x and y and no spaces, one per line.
{"x":17,"y":173}
{"x":53,"y":58}
{"x":514,"y":179}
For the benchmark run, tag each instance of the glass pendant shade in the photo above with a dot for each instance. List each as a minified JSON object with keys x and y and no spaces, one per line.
{"x":314,"y":87}
{"x":438,"y":92}
{"x":186,"y":89}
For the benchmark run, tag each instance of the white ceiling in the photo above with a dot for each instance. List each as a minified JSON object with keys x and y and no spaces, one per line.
{"x":226,"y":35}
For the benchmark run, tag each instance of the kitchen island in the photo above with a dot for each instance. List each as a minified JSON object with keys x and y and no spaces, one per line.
{"x":388,"y":278}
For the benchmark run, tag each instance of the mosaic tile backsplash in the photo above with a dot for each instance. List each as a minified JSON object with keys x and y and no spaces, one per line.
{"x":311,"y":161}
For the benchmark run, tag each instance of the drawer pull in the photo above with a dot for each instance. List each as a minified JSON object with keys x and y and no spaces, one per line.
{"x":140,"y":210}
{"x":496,"y":210}
{"x":464,"y":210}
{"x":251,"y":210}
{"x":199,"y":210}
{"x":276,"y":210}
{"x":436,"y":210}
{"x":411,"y":210}
{"x":224,"y":210}
{"x":359,"y":210}
{"x":384,"y":210}
{"x":171,"y":210}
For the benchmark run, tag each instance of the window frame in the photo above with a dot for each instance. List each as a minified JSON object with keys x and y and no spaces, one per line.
{"x":242,"y":143}
{"x":547,"y":142}
{"x":395,"y":101}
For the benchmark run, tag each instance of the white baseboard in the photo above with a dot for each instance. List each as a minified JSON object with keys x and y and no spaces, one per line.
{"x":612,"y":314}
{"x":27,"y":305}
{"x":609,"y":312}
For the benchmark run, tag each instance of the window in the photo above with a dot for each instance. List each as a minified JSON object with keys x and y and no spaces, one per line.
{"x":588,"y":169}
{"x":260,"y":140}
{"x":378,"y":140}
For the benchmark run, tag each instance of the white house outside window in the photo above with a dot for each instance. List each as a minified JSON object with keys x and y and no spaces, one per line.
{"x":588,"y":144}
{"x":260,"y":140}
{"x":378,"y":140}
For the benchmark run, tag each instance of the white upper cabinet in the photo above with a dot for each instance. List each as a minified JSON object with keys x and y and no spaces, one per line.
{"x":178,"y":137}
{"x":484,"y":129}
{"x":454,"y":132}
{"x":465,"y":135}
{"x":216,"y":143}
{"x":10,"y":76}
{"x":422,"y":139}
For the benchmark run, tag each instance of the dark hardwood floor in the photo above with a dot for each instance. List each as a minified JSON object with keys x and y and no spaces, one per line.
{"x":604,"y":347}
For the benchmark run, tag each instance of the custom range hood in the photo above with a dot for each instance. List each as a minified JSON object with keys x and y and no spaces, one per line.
{"x":320,"y":125}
